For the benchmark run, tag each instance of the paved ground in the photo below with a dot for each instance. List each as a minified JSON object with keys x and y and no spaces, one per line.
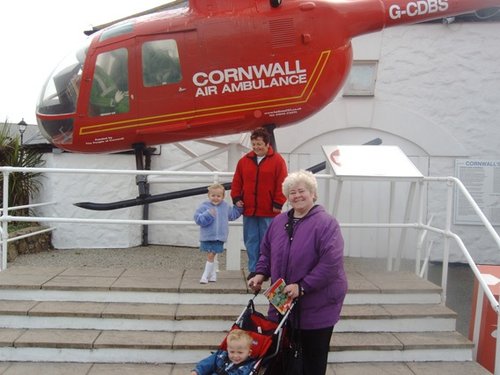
{"x":460,"y":283}
{"x":150,"y":257}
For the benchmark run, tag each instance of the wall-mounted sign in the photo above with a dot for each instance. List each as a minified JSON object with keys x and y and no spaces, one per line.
{"x":482,"y":180}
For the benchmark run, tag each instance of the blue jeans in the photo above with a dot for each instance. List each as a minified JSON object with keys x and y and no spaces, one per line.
{"x":254,"y":228}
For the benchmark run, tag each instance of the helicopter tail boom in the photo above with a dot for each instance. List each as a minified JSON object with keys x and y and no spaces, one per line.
{"x":366,"y":16}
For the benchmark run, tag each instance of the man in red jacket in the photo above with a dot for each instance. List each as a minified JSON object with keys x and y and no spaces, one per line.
{"x":257,"y":188}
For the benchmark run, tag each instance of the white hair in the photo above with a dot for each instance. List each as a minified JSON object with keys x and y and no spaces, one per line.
{"x":301,"y":176}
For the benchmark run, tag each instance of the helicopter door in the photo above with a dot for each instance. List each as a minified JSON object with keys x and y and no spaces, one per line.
{"x":110,"y":91}
{"x":162,"y":81}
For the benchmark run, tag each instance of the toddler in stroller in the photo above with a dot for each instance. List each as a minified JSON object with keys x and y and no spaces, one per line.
{"x":234,"y":360}
{"x":248,"y":347}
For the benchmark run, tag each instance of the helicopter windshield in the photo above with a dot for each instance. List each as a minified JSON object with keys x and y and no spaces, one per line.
{"x":60,"y":95}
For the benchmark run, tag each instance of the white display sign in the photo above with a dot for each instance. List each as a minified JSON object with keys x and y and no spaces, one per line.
{"x":370,"y":161}
{"x":482,"y":179}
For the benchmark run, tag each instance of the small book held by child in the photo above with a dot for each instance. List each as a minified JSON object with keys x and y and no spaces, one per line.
{"x":277,"y":296}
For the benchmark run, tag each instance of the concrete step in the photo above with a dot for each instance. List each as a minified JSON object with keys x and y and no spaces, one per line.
{"x":372,"y":368}
{"x":184,"y":317}
{"x":74,"y":345}
{"x":92,"y":315}
{"x":399,"y":346}
{"x":177,"y":286}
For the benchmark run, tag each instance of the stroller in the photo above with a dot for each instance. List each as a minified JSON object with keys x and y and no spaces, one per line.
{"x":268,"y":336}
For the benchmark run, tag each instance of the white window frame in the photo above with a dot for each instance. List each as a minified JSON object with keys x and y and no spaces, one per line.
{"x":361,"y":79}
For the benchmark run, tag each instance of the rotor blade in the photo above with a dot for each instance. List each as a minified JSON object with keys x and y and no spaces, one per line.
{"x":147,"y":199}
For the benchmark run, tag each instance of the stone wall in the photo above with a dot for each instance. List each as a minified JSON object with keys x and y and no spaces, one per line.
{"x":29,"y":245}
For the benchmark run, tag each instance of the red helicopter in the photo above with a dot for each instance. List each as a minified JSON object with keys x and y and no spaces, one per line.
{"x":214,"y":67}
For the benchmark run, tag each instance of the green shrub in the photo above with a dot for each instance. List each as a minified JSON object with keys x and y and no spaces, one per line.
{"x":22,"y":185}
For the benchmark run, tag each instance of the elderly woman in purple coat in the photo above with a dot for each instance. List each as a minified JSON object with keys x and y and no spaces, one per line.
{"x":304,"y":246}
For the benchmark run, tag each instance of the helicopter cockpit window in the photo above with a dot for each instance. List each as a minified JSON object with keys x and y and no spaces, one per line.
{"x":60,"y":96}
{"x":160,"y":63}
{"x":61,"y":89}
{"x":109,"y":94}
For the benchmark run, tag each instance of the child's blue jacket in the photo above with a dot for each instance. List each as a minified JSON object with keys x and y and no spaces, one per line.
{"x":220,"y":361}
{"x":215,"y":228}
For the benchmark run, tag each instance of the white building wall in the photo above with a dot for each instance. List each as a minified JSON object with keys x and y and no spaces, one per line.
{"x":437,"y":97}
{"x":68,"y":189}
{"x":450,"y":75}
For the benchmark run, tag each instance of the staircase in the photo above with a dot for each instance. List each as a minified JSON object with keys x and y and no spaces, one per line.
{"x":133,"y":321}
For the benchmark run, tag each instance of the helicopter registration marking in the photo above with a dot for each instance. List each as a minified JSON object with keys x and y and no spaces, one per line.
{"x":253,"y":77}
{"x":417,"y":8}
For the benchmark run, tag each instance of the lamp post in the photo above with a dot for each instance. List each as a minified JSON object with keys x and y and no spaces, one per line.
{"x":22,"y":128}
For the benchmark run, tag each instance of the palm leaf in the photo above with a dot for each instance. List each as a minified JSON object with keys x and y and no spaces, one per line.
{"x":22,"y":185}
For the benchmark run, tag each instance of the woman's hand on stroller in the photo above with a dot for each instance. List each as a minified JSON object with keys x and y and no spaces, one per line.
{"x":293,"y":290}
{"x":255,"y":283}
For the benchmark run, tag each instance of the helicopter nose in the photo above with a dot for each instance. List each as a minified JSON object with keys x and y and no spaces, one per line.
{"x":57,"y":131}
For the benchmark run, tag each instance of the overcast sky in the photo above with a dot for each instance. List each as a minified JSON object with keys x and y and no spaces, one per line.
{"x":36,"y":35}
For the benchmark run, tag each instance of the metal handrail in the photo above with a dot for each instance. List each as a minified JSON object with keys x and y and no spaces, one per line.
{"x":31,"y":234}
{"x":29,"y":206}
